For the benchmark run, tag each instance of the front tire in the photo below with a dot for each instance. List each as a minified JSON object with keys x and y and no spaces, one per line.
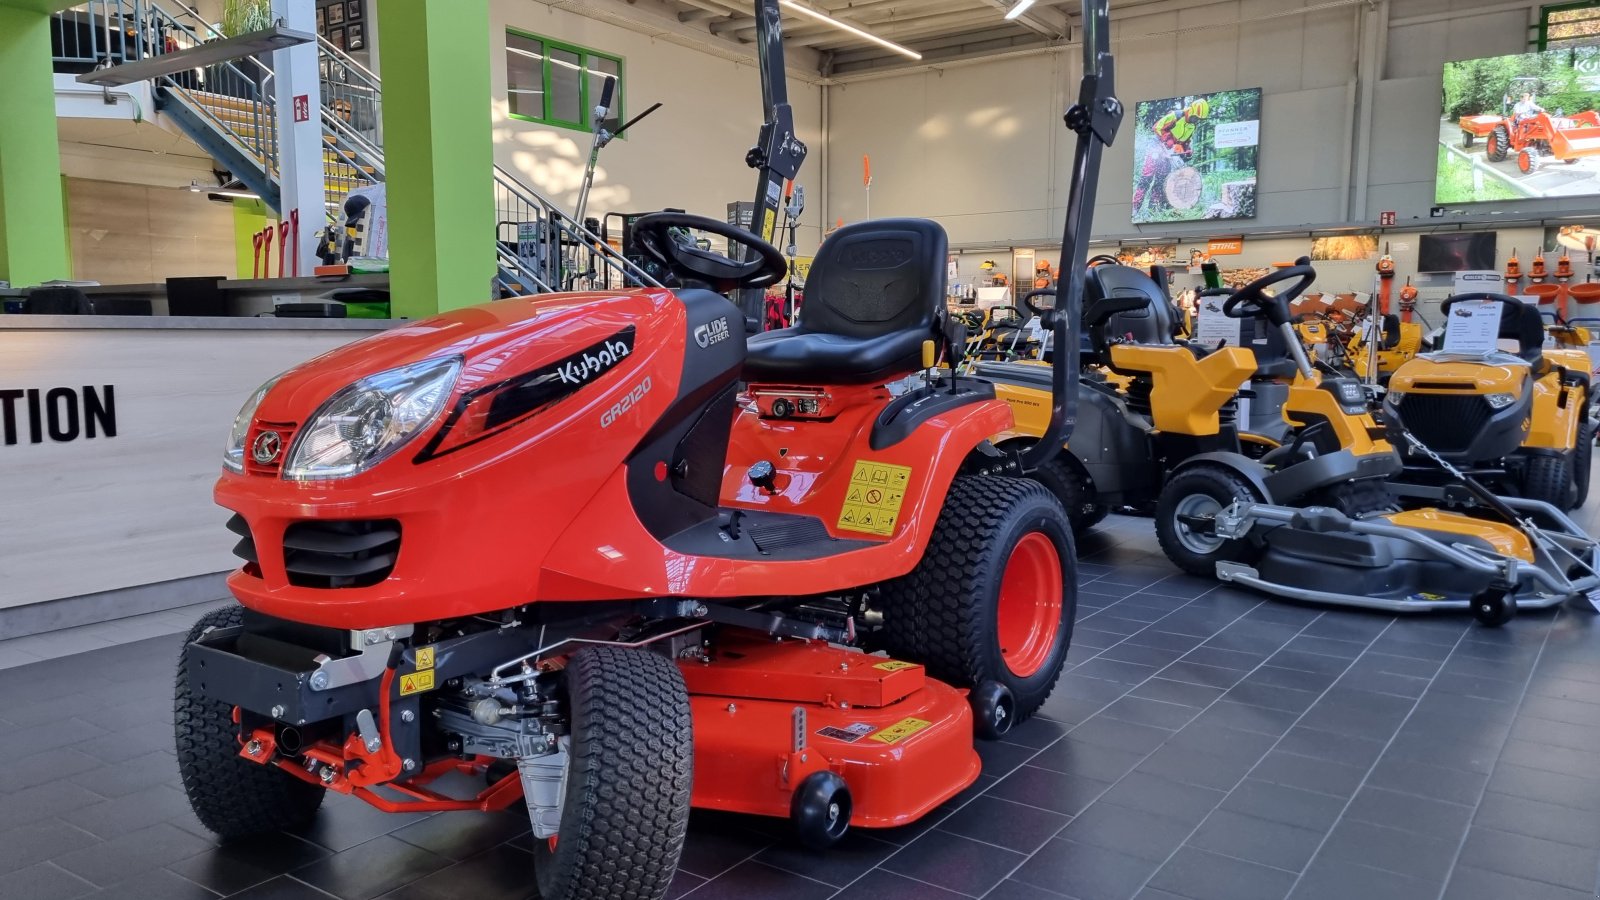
{"x":995,"y":594}
{"x":630,"y":767}
{"x":1548,"y":477}
{"x":1191,"y":496}
{"x":1582,"y":462}
{"x":231,"y":797}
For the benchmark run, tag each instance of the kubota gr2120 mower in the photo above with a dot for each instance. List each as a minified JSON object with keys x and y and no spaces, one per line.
{"x":597,"y":552}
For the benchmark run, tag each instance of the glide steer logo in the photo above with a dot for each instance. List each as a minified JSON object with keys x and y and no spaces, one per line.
{"x":713,"y":332}
{"x":599,"y":360}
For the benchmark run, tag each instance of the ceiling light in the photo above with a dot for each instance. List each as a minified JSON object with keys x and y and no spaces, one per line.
{"x":210,"y":53}
{"x":1019,"y":9}
{"x":846,"y":26}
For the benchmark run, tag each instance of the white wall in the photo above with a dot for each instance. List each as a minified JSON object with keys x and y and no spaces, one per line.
{"x":981,"y":146}
{"x":689,"y":154}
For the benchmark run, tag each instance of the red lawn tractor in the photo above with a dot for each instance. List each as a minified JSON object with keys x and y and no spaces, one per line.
{"x":597,"y":554}
{"x":1535,"y":139}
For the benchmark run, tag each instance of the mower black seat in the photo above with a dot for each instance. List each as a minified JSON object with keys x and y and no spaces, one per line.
{"x":1271,"y":351}
{"x":875,"y":292}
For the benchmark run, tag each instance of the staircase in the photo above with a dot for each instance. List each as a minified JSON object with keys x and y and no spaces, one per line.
{"x":230,"y":110}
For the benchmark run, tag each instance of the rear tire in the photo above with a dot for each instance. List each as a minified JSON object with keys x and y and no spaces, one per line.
{"x":1499,"y":144}
{"x":1202,"y":490}
{"x":626,"y":811}
{"x":1548,"y":477}
{"x":995,"y":594}
{"x":1076,"y":494}
{"x":230,"y":796}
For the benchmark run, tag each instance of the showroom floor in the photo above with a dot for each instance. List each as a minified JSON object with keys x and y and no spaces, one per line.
{"x":1205,"y":744}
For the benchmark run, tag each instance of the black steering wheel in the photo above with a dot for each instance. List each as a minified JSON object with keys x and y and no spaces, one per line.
{"x":1046,"y":314}
{"x":659,"y":241}
{"x":1475,"y":296}
{"x":1252,"y":302}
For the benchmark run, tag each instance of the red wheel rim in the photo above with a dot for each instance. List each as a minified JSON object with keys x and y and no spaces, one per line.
{"x":1029,"y":613}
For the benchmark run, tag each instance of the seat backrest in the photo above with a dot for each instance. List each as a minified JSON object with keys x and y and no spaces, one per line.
{"x":1266,"y":341}
{"x":1149,"y":324}
{"x":878,"y":277}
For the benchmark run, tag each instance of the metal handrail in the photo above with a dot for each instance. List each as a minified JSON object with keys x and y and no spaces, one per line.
{"x":565,"y":243}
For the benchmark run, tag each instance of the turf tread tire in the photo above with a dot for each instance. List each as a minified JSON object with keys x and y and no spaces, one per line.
{"x":1582,"y":462}
{"x":1224,"y":485}
{"x":626,"y":812}
{"x":232,"y":797}
{"x":1548,"y":477}
{"x":928,"y":614}
{"x":1368,"y":496}
{"x":1071,"y":486}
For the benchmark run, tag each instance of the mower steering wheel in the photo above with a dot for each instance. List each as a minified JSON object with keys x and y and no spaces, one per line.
{"x":689,"y":263}
{"x":1480,"y":295}
{"x":1045,"y":313}
{"x":1252,"y":302}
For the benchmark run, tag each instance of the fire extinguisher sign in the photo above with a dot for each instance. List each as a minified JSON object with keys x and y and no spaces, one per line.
{"x":302,"y":108}
{"x":1386,"y":218}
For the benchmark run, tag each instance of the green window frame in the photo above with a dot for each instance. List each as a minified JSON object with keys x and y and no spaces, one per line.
{"x":546,"y":54}
{"x":1568,"y":24}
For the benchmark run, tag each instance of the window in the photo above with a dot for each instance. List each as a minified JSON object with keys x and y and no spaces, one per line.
{"x":558,"y":84}
{"x":1569,"y":24}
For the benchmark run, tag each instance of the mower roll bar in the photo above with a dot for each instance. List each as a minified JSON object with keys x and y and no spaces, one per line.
{"x":1095,"y":118}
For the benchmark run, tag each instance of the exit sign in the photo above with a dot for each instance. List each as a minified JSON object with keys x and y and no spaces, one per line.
{"x":1386,"y":218}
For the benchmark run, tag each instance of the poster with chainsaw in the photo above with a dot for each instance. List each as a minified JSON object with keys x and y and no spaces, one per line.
{"x":1520,"y":127}
{"x":1195,"y":157}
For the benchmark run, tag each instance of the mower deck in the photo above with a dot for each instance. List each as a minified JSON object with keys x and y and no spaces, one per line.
{"x":768,"y":714}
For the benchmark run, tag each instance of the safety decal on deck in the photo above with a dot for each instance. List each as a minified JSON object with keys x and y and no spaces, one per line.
{"x":424,"y":658}
{"x":901,"y":730}
{"x":872,"y":502}
{"x":769,"y":225}
{"x":849,"y":734}
{"x":893,"y":665}
{"x":416,"y":682}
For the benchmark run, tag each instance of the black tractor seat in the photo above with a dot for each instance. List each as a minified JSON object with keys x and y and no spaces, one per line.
{"x":875,"y":292}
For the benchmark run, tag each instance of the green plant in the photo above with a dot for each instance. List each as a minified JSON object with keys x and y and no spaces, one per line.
{"x":244,"y":16}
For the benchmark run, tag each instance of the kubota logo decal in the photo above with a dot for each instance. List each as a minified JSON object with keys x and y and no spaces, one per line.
{"x":625,"y":404}
{"x":713,"y":332}
{"x":590,"y":366}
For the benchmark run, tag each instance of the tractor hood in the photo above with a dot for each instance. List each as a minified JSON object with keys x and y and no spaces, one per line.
{"x":495,"y":342}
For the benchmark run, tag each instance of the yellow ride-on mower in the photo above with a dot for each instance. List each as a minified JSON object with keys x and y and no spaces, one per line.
{"x":1514,"y":420}
{"x":1313,"y":520}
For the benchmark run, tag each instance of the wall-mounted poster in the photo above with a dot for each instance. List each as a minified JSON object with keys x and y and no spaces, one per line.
{"x":354,"y":39}
{"x":1520,"y":127}
{"x":336,"y":14}
{"x":1345,"y":247}
{"x":336,"y":37}
{"x":1195,"y":157}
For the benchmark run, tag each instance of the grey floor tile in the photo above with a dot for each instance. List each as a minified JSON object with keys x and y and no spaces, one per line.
{"x":1013,"y":826}
{"x":880,"y":884}
{"x":1203,"y":875}
{"x":1472,"y":883}
{"x":1163,"y":796}
{"x":1434,"y":818}
{"x":1054,"y":791}
{"x":1135,"y":832}
{"x":1531,"y":858}
{"x":840,"y":864}
{"x":954,"y":862}
{"x":1426,"y":780}
{"x":1082,"y":870}
{"x":1537,"y":819}
{"x":1286,"y":805}
{"x":1391,"y":849}
{"x":1339,"y":880}
{"x":1257,"y":840}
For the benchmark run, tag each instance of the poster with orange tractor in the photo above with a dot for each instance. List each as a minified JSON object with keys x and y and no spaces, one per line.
{"x":1194,"y":157}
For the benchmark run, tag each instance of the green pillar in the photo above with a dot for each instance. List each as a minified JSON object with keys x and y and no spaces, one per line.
{"x":33,"y":227}
{"x":438,"y":153}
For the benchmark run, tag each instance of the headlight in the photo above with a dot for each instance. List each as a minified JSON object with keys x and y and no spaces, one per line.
{"x":233,"y":456}
{"x":1396,"y":397}
{"x":1500,"y":401}
{"x":362,"y":424}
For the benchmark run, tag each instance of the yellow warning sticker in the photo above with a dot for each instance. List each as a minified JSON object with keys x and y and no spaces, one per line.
{"x":769,"y":225}
{"x":893,"y":665}
{"x":416,"y":682}
{"x":424,"y":658}
{"x":872,"y":502}
{"x":900,"y":730}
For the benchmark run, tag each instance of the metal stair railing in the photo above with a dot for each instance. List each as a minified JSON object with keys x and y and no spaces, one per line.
{"x":553,"y":250}
{"x":96,"y":32}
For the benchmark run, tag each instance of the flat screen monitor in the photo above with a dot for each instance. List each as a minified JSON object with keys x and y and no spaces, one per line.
{"x":1458,"y":252}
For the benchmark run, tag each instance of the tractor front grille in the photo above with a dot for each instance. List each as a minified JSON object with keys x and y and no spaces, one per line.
{"x":1445,"y":423}
{"x":340,"y":554}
